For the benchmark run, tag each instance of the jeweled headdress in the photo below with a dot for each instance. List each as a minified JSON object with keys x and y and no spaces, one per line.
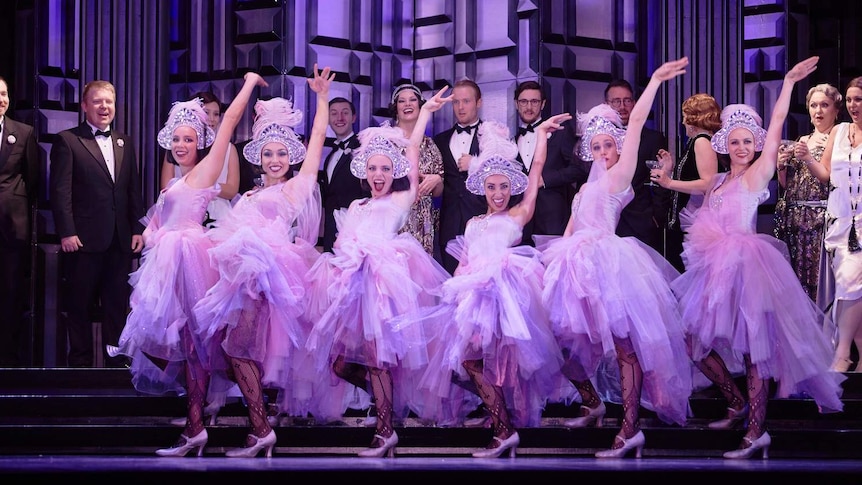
{"x":735,"y":116}
{"x":191,"y":114}
{"x":274,"y":122}
{"x":497,"y":156}
{"x":385,"y":140}
{"x":406,"y":87}
{"x":600,"y":120}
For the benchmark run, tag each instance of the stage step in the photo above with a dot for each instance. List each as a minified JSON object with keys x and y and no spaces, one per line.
{"x":97,"y":411}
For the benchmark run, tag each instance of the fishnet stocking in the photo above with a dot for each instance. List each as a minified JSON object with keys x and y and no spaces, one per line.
{"x":758,"y":396}
{"x":492,"y":397}
{"x":197,"y":382}
{"x":714,"y":368}
{"x":589,"y":395}
{"x":247,"y":375}
{"x":381,"y":388}
{"x":631,"y":382}
{"x":355,"y":374}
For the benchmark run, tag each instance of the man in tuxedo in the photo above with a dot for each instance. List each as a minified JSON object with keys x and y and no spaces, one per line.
{"x":560,"y":174}
{"x":95,"y":195}
{"x":338,"y":186}
{"x":457,"y":145}
{"x":644,"y":217}
{"x":19,"y":180}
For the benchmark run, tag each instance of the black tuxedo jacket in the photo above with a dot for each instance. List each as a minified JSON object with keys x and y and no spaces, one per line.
{"x":645,"y":216}
{"x":84,"y":200}
{"x":338,"y":193}
{"x":19,"y":180}
{"x":561,"y":175}
{"x":457,"y":205}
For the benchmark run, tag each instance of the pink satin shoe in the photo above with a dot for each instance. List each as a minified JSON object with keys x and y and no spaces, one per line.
{"x":188,"y":444}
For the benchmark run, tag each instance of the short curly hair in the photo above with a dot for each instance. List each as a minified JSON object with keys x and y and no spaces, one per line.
{"x":702,"y":111}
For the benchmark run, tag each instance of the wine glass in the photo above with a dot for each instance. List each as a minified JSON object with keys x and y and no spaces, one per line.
{"x":653,"y":165}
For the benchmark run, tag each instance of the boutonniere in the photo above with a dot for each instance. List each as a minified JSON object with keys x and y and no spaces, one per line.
{"x":348,"y":151}
{"x":11,"y":139}
{"x":120,"y":142}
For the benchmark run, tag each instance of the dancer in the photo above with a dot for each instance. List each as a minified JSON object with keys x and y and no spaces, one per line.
{"x":374,"y":275}
{"x":262,"y":250}
{"x":739,"y":295}
{"x":490,"y":328}
{"x":175,"y":272}
{"x":609,"y":297}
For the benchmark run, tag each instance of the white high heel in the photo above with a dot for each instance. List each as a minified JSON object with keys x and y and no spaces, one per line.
{"x":188,"y":444}
{"x":637,"y":442}
{"x":733,"y":418}
{"x":267,"y":443}
{"x":511,"y":443}
{"x":841,"y":364}
{"x":745,"y":452}
{"x":592,"y":416}
{"x":387,"y":447}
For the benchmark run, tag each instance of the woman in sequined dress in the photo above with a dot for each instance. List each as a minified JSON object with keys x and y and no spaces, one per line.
{"x":799,"y":212}
{"x":424,"y":219}
{"x":701,"y":116}
{"x":841,"y":165}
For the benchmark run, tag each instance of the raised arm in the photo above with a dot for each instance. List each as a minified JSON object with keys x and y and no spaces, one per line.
{"x":762,"y":170}
{"x":207,"y":171}
{"x":621,"y":174}
{"x":319,"y":84}
{"x":523,"y":212}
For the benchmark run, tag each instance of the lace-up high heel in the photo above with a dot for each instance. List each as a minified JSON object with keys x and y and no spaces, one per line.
{"x":637,"y":442}
{"x":588,"y":416}
{"x":733,"y":418}
{"x":387,"y":447}
{"x":511,"y":443}
{"x":187,"y":444}
{"x":266,"y":443}
{"x":745,"y":452}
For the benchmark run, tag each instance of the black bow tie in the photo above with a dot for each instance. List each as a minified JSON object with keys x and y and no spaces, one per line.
{"x":102,"y":133}
{"x":464,"y":129}
{"x":525,"y":129}
{"x":342,"y":145}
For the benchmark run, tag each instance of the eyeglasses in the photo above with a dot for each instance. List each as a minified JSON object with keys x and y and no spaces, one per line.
{"x":616,"y":102}
{"x":533,"y":102}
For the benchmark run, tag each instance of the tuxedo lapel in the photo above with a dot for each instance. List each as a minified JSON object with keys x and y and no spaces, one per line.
{"x":5,"y":146}
{"x":85,"y":136}
{"x":119,"y":150}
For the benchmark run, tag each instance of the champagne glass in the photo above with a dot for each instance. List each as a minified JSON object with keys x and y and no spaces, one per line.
{"x":653,"y":165}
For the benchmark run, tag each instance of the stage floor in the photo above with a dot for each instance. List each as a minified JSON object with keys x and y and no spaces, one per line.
{"x":126,"y":470}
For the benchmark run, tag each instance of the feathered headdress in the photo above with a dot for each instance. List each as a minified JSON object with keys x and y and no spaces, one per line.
{"x":385,"y":140}
{"x":274,"y":122}
{"x":735,"y":116}
{"x":600,"y":120}
{"x":191,"y":114}
{"x":497,"y":154}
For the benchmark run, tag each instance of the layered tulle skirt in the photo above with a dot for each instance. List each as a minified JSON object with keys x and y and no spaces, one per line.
{"x":600,"y":289}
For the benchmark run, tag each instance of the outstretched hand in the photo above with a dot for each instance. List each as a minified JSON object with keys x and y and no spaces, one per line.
{"x":256,"y":78}
{"x":802,"y":69}
{"x":438,"y":100}
{"x":670,"y":69}
{"x":321,"y":80}
{"x":554,"y":123}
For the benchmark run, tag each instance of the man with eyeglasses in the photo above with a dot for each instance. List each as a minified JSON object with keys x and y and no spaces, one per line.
{"x":641,"y":217}
{"x":553,"y":203}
